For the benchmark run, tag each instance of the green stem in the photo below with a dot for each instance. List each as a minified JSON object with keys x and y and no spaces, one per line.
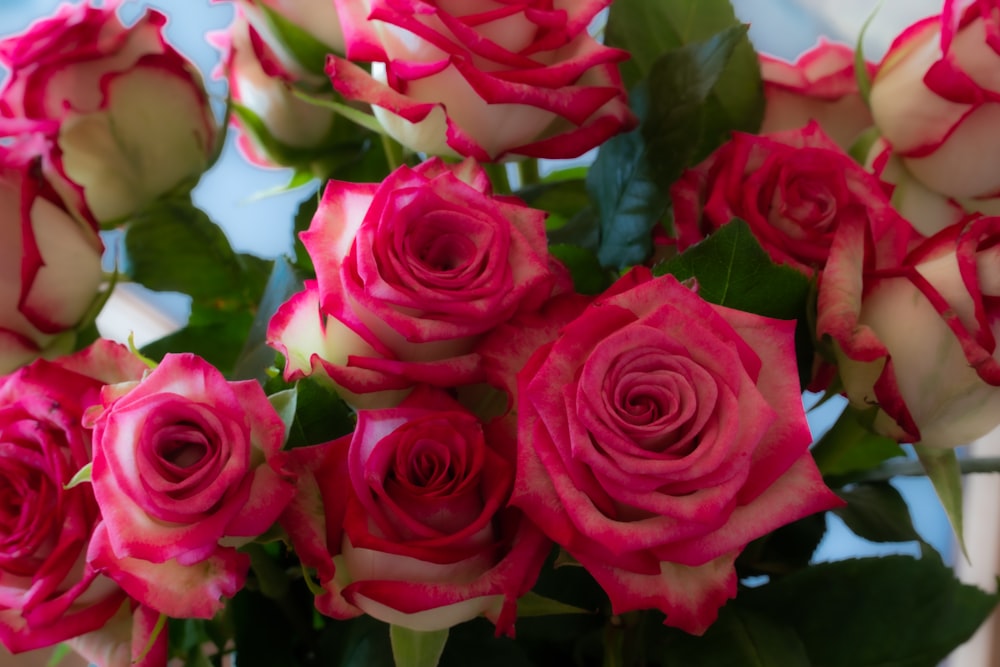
{"x":528,"y":170}
{"x":393,"y":151}
{"x":498,"y":177}
{"x":614,"y":643}
{"x":912,"y":468}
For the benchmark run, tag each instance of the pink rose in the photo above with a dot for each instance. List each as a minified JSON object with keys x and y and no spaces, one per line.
{"x":49,"y":592}
{"x":820,"y":86}
{"x":657,"y":436}
{"x":51,"y":264}
{"x":936,"y":96}
{"x":410,"y":273}
{"x":407,"y":519}
{"x":793,"y":188}
{"x":287,"y":130}
{"x":127,"y":115}
{"x":184,"y":468}
{"x":916,"y":338}
{"x":484,"y":80}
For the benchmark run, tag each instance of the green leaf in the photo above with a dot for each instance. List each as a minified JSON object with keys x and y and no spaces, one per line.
{"x":860,"y":65}
{"x":733,"y":270}
{"x":849,"y":446}
{"x":890,"y":611}
{"x":561,"y":199}
{"x":784,"y":550}
{"x":58,"y":653}
{"x":256,"y":357}
{"x":413,"y":648}
{"x":356,"y":116}
{"x":649,"y":28}
{"x":627,"y":197}
{"x":320,"y":414}
{"x":681,"y":127}
{"x":284,"y":403}
{"x":877,"y":512}
{"x":941,"y":466}
{"x":533,"y":604}
{"x":629,"y":180}
{"x":739,"y":638}
{"x":82,"y":476}
{"x":217,"y":341}
{"x":589,"y":277}
{"x":175,"y":247}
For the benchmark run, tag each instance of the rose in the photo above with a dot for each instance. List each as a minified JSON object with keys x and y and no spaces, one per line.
{"x":526,"y":79}
{"x":277,"y":127}
{"x":793,"y":189}
{"x":657,"y":436}
{"x":407,"y":519}
{"x":410,"y":273}
{"x":127,"y":115}
{"x":51,"y":266}
{"x":916,"y":339}
{"x":935,"y":99}
{"x":49,"y":594}
{"x":184,"y":468}
{"x":820,"y":86}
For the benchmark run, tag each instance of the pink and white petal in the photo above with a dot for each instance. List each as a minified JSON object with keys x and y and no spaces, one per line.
{"x":271,"y":491}
{"x":125,"y":640}
{"x":690,"y":596}
{"x":798,"y":493}
{"x":180,"y":591}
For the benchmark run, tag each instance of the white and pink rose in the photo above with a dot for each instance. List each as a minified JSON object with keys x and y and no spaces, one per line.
{"x":819,"y":86}
{"x":936,"y":99}
{"x":407,"y":519}
{"x":484,"y":79}
{"x":916,"y":339}
{"x":276,"y":126}
{"x":410,"y":273}
{"x":50,"y":263}
{"x":186,"y":468}
{"x":126,"y":116}
{"x":48,"y":592}
{"x":657,"y":436}
{"x":793,"y":188}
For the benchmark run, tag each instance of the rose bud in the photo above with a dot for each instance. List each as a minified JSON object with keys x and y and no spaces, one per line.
{"x":185,"y":469}
{"x":50,"y":594}
{"x":820,"y":86}
{"x":469,"y":79}
{"x":410,"y":274}
{"x":283,"y":129}
{"x":657,"y":435}
{"x":51,"y":267}
{"x":407,"y":519}
{"x":935,"y":100}
{"x":127,"y":116}
{"x":916,"y":339}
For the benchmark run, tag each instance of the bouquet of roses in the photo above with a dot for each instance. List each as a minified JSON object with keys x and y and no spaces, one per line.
{"x":530,"y":389}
